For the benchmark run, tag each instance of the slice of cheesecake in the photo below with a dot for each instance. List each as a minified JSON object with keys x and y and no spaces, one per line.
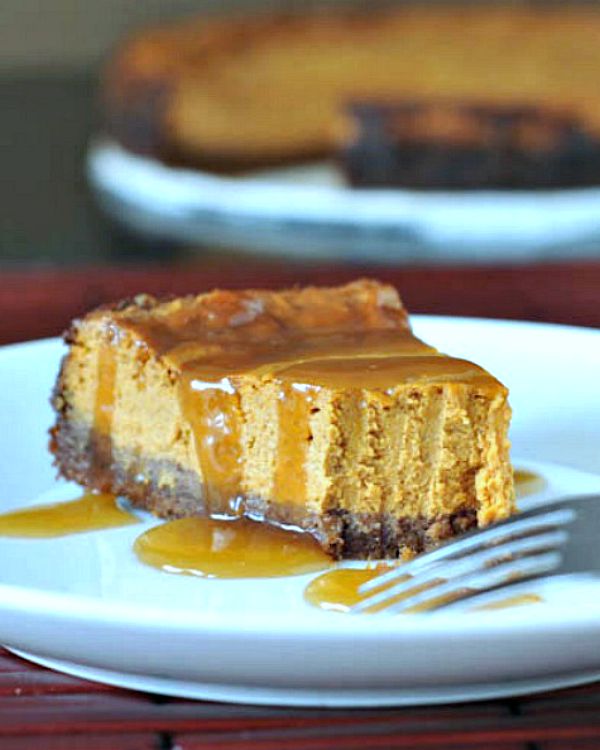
{"x":314,"y":408}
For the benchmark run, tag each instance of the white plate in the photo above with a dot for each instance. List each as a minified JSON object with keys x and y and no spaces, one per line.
{"x":308,"y":211}
{"x":85,"y":599}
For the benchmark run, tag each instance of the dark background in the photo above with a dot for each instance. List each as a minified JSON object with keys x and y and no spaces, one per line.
{"x":51,"y":55}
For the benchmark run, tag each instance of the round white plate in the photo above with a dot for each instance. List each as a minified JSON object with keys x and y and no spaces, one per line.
{"x":86,"y":600}
{"x":309,"y":212}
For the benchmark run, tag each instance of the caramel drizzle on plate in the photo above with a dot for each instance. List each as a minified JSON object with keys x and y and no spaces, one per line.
{"x":90,"y":512}
{"x":337,"y":590}
{"x":240,"y":548}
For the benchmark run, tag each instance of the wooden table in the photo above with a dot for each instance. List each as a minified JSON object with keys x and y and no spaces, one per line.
{"x":39,"y":708}
{"x":50,"y":711}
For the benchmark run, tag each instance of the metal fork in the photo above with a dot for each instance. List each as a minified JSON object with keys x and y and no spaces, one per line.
{"x":560,"y":537}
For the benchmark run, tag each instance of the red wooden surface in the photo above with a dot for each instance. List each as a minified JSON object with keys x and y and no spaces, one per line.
{"x":41,"y":302}
{"x":39,"y":708}
{"x":50,"y":711}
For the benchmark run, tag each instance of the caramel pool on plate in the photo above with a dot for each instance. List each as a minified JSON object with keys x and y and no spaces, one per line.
{"x":238,"y":548}
{"x":337,"y":591}
{"x":90,"y":512}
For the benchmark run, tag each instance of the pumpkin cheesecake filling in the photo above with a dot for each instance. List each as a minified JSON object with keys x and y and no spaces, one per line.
{"x":313,"y":408}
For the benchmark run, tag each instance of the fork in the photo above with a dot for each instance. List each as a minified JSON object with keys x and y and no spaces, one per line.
{"x":560,"y":537}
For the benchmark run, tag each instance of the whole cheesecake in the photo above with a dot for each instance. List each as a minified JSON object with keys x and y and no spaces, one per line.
{"x":247,"y":92}
{"x":314,"y":408}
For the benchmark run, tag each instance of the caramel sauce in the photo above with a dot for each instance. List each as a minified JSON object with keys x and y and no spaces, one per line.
{"x":337,"y":591}
{"x":213,"y":411}
{"x":212,"y":346}
{"x":90,"y":512}
{"x":528,"y":482}
{"x":383,"y":372}
{"x":210,"y":400}
{"x":239,"y":548}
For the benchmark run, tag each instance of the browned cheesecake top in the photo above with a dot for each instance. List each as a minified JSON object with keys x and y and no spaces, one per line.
{"x":255,"y":315}
{"x":357,"y":336}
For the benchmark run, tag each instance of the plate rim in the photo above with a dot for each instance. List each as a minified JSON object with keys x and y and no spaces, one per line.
{"x":275,"y":217}
{"x":101,"y":144}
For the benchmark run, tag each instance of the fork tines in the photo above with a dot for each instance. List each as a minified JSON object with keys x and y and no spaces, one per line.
{"x":524,"y":547}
